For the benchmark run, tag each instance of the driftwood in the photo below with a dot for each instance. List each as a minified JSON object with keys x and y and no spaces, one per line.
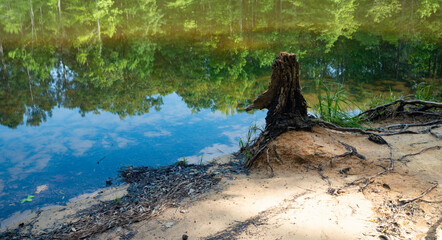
{"x":287,"y":108}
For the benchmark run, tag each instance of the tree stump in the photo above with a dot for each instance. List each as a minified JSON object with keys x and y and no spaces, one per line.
{"x":287,"y":108}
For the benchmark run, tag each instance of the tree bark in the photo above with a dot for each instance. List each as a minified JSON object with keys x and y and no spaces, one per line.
{"x":284,"y":100}
{"x":287,"y":108}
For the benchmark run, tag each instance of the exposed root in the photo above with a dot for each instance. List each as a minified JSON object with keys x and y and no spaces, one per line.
{"x":319,"y":170}
{"x":402,"y":131}
{"x":377,"y":139}
{"x":433,"y":133}
{"x":277,"y":155}
{"x":367,"y":180}
{"x":404,"y":126}
{"x":417,"y":153}
{"x":428,"y":201}
{"x":269,"y":165}
{"x":388,"y":110}
{"x":408,"y":200}
{"x":342,"y":129}
{"x":375,"y":134}
{"x":249,"y":162}
{"x":370,"y":179}
{"x":351,"y":151}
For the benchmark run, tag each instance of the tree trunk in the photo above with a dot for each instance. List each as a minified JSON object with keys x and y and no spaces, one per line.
{"x":59,"y":9}
{"x":32,"y":23}
{"x":5,"y":74}
{"x":287,"y":108}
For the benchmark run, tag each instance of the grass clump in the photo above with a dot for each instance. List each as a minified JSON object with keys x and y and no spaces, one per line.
{"x":244,"y":145}
{"x":426,"y":92}
{"x":335,"y":106}
{"x":382,"y":99}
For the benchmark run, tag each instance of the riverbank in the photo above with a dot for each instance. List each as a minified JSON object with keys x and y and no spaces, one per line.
{"x":313,"y":194}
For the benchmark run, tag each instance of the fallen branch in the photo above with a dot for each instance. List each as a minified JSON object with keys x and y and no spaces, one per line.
{"x":405,"y":200}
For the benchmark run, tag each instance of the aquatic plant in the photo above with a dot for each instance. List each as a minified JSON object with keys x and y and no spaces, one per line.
{"x":27,"y":199}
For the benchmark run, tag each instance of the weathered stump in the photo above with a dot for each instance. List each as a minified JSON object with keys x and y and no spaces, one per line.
{"x":287,"y":108}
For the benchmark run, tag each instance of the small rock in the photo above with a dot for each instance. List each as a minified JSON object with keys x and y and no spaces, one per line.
{"x":73,"y":229}
{"x":185,"y":237}
{"x":169,"y":224}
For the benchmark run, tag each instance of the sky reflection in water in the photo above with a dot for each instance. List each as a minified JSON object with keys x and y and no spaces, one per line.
{"x":63,"y":153}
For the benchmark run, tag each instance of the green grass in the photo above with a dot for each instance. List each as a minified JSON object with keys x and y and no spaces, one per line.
{"x":382,"y":99}
{"x":184,"y":161}
{"x":422,"y":91}
{"x":201,"y":161}
{"x":335,"y":105}
{"x":245,"y":144}
{"x":426,"y":91}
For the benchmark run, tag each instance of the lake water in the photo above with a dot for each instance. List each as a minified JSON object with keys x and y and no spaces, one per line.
{"x":88,"y":87}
